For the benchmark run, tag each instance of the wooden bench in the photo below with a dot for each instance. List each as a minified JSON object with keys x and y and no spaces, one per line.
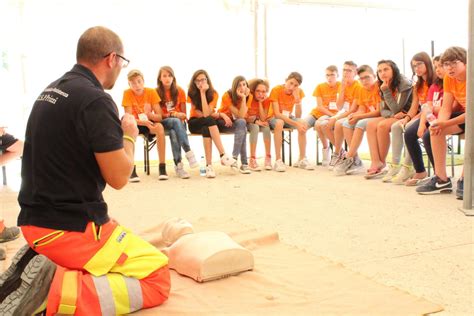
{"x":148,"y":145}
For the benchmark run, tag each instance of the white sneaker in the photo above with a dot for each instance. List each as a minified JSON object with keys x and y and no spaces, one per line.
{"x":405,"y":173}
{"x":253,"y":165}
{"x":180,"y":172}
{"x":341,"y":168}
{"x":227,"y":160}
{"x":191,"y":159}
{"x":210,"y":172}
{"x":304,"y":164}
{"x":326,"y":157}
{"x":392,"y":171}
{"x":234,"y":166}
{"x":245,"y":169}
{"x":268,"y":163}
{"x":333,"y":161}
{"x":279,"y":166}
{"x":356,"y":166}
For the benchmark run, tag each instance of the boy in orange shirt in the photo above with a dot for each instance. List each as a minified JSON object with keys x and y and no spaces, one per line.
{"x":367,"y":106}
{"x":450,"y":121}
{"x":346,"y":102}
{"x":283,"y":99}
{"x":144,"y":104}
{"x":326,"y":99}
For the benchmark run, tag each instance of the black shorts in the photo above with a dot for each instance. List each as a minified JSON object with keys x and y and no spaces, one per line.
{"x":6,"y":140}
{"x":146,"y":132}
{"x":461,"y":126}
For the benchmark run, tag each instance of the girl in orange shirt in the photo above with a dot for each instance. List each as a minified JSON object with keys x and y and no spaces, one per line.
{"x":257,"y":121}
{"x":414,"y":132}
{"x":422,"y":67}
{"x":173,"y":106}
{"x":396,"y":94}
{"x":233,"y":112}
{"x":203,"y":99}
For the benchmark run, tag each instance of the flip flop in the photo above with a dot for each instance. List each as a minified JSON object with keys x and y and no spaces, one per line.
{"x":372,"y":172}
{"x":416,"y":182}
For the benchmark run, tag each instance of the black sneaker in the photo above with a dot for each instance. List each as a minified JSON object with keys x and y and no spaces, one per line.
{"x":9,"y":234}
{"x":134,"y":177}
{"x":435,"y":185}
{"x":162,"y":170}
{"x":460,"y":189}
{"x":27,"y":287}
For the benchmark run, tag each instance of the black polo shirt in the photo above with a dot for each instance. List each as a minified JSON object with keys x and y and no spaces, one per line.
{"x":61,"y":181}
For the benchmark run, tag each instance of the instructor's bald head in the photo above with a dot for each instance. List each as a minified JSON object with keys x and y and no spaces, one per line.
{"x":96,"y":43}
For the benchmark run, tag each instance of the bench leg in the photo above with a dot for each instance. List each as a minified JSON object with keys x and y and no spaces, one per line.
{"x":283,"y":146}
{"x":4,"y":173}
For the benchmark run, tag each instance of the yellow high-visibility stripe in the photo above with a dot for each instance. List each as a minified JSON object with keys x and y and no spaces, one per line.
{"x":119,"y":293}
{"x":67,"y":304}
{"x":107,"y":256}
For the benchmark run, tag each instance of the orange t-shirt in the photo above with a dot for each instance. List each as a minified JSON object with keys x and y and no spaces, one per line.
{"x":423,"y":93}
{"x":227,"y":102}
{"x":328,"y":94}
{"x":168,"y":105}
{"x":212,"y":105}
{"x":456,"y":88}
{"x":368,"y":99}
{"x":285,"y":101}
{"x":254,"y":107}
{"x":137,"y":102}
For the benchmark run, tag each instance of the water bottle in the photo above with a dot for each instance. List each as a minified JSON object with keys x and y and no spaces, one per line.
{"x":202,"y":167}
{"x":430,"y":117}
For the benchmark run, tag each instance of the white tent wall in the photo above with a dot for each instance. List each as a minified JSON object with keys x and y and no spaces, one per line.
{"x":38,"y":39}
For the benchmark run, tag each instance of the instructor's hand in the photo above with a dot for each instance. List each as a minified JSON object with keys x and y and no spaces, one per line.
{"x":129,"y":125}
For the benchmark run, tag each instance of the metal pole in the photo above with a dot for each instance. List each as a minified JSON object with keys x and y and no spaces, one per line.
{"x":432,"y":49}
{"x":265,"y":39}
{"x":255,"y":36}
{"x":403,"y":55}
{"x":469,"y":148}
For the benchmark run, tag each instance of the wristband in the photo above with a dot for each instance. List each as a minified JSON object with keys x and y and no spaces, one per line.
{"x":255,"y":121}
{"x":128,"y":138}
{"x":409,"y":117}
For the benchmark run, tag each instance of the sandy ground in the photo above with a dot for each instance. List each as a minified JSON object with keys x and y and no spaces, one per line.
{"x":421,"y":244}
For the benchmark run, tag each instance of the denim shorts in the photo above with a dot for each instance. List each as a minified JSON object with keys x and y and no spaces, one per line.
{"x":362,"y":124}
{"x":286,"y":125}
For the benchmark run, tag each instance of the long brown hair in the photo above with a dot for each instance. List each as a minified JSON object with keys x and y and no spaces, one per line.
{"x":438,"y":81}
{"x":254,"y":83}
{"x":161,"y":88}
{"x":424,"y":58}
{"x":193,"y":91}
{"x":233,"y":91}
{"x":396,"y":76}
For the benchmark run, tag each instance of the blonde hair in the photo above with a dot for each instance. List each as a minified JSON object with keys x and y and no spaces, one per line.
{"x":134,"y":73}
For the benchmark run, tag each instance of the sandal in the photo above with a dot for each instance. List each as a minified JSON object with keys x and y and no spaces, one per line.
{"x":374,"y":172}
{"x":413,"y":182}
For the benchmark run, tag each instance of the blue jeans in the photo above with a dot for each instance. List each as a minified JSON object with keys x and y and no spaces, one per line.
{"x":239,"y":128}
{"x":178,"y":136}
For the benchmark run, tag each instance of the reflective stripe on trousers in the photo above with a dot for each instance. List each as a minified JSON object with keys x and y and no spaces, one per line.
{"x":106,"y":270}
